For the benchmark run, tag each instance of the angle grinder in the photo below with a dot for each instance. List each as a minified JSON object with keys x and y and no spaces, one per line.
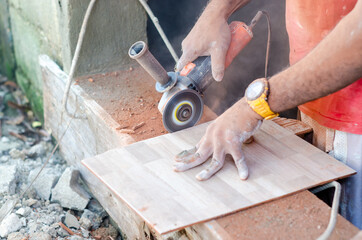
{"x":181,"y":104}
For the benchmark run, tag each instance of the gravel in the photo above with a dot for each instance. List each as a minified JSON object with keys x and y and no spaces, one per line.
{"x":56,"y":196}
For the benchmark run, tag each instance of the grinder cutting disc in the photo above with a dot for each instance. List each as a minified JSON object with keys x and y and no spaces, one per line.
{"x":183,"y":110}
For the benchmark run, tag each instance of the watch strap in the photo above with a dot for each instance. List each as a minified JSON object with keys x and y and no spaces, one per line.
{"x":261,"y":106}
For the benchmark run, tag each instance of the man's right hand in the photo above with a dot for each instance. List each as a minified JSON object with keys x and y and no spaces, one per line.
{"x":210,"y":36}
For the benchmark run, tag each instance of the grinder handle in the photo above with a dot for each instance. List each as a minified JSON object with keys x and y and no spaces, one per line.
{"x":200,"y":70}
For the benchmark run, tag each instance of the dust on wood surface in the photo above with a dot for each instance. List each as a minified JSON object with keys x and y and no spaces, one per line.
{"x":141,"y":175}
{"x":129,"y":96}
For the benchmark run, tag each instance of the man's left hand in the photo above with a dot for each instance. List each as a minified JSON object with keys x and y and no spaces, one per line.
{"x":224,"y":136}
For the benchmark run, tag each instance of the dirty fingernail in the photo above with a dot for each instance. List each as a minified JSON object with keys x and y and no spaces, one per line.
{"x":243,"y":174}
{"x":183,"y":153}
{"x":219,"y":77}
{"x":202,"y":175}
{"x":177,"y":167}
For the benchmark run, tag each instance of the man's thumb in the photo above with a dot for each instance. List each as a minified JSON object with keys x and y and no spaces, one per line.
{"x":184,"y":59}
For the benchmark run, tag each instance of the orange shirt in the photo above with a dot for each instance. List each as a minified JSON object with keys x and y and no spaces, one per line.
{"x":308,"y":22}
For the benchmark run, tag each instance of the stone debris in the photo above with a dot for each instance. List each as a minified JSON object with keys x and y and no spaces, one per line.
{"x":31,"y":203}
{"x":40,"y":236}
{"x":37,"y":150}
{"x":15,"y":154}
{"x":10,"y":224}
{"x":90,"y":220}
{"x":85,"y":223}
{"x":6,"y":145}
{"x":68,"y":191}
{"x":23,"y":211}
{"x":45,"y":182}
{"x":105,"y":233}
{"x":16,"y":236}
{"x":8,"y":179}
{"x":35,"y":216}
{"x":75,"y":237}
{"x":95,"y":206}
{"x":71,"y":221}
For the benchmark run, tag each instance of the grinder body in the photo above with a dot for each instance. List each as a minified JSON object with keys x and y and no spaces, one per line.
{"x":181,"y":104}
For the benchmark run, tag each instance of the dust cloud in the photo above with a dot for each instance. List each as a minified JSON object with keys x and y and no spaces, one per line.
{"x":177,"y":17}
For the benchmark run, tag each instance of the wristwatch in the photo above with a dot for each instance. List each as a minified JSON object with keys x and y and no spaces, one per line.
{"x":257,"y":96}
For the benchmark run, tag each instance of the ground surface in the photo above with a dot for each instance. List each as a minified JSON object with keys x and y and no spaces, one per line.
{"x":299,"y":216}
{"x":24,"y":147}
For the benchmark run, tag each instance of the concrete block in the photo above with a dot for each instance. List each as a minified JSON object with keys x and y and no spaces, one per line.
{"x":7,"y":58}
{"x":45,"y":182}
{"x":8,"y":179}
{"x":10,"y":224}
{"x":71,"y":221}
{"x":113,"y":27}
{"x":69,"y":193}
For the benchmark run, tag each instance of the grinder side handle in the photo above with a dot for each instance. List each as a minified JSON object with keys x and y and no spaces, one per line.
{"x":200,"y":70}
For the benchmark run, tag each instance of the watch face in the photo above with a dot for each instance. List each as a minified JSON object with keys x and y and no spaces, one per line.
{"x":254,"y":90}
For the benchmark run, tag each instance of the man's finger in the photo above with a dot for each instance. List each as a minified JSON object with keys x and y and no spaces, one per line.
{"x":193,"y":160}
{"x":218,"y":55}
{"x":240,"y":163}
{"x":217,"y":162}
{"x":211,"y":169}
{"x":187,"y":57}
{"x":185,"y":155}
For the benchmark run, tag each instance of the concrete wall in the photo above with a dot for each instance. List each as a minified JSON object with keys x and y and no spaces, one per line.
{"x":34,"y":28}
{"x":7,"y":59}
{"x":113,"y":27}
{"x":30,"y":28}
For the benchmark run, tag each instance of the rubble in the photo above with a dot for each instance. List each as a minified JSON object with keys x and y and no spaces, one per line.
{"x":15,"y":236}
{"x":6,"y":144}
{"x":69,"y":193}
{"x":96,"y":207}
{"x":8,"y":179}
{"x":105,"y":233}
{"x":34,"y":216}
{"x":10,"y":224}
{"x":31,"y":203}
{"x":37,"y":150}
{"x":71,"y":221}
{"x":45,"y":182}
{"x":40,"y":236}
{"x":23,"y":211}
{"x":90,"y":219}
{"x":15,"y":153}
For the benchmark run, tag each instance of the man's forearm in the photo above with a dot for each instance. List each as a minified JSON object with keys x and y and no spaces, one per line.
{"x":224,"y":8}
{"x":334,"y":64}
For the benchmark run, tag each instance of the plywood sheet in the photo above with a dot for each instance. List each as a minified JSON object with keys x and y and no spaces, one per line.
{"x":141,"y":175}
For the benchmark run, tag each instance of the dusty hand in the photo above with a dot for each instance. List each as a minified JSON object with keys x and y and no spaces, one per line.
{"x":209,"y":36}
{"x":224,"y":136}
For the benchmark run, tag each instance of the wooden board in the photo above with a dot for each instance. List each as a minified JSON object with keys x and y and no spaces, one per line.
{"x":141,"y":175}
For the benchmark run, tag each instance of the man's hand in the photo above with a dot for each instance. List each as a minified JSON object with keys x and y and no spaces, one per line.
{"x":224,"y":136}
{"x":209,"y":36}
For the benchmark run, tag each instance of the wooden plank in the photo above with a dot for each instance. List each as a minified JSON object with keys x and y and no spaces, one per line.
{"x":299,"y":128}
{"x":169,"y":201}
